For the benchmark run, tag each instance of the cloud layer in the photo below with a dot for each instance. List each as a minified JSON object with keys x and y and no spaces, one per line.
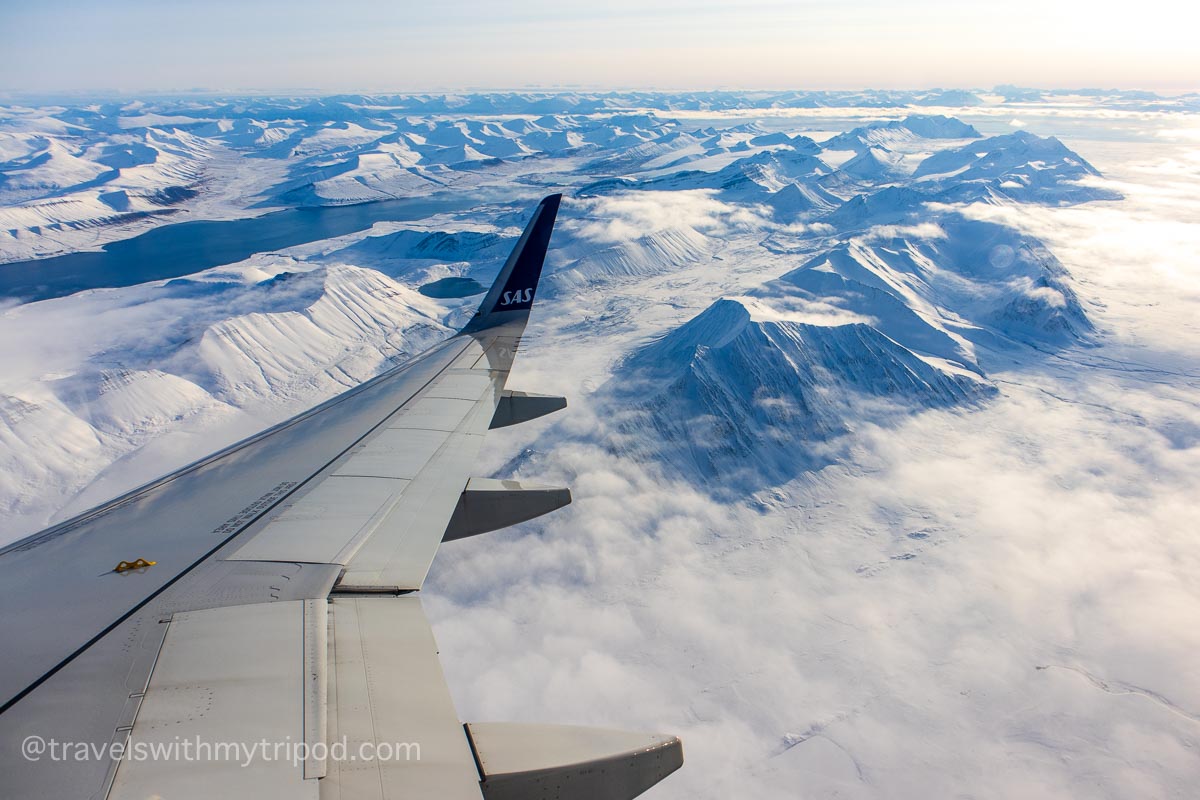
{"x":995,"y":602}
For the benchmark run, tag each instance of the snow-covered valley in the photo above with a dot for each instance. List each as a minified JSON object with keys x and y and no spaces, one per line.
{"x":884,"y":431}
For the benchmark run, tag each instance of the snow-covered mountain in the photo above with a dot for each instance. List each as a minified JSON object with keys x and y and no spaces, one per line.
{"x":743,"y":397}
{"x":78,"y":177}
{"x":863,"y":259}
{"x":872,"y":399}
{"x":202,"y":360}
{"x":1019,"y":165}
{"x":983,"y":280}
{"x":896,"y":132}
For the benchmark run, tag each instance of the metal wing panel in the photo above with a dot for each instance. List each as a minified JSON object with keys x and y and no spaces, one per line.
{"x":432,"y":414}
{"x":321,"y":524}
{"x":226,"y":679}
{"x":399,"y":553}
{"x":58,"y":589}
{"x":387,"y":689}
{"x":251,"y":689}
{"x":394,"y":454}
{"x":400,"y":485}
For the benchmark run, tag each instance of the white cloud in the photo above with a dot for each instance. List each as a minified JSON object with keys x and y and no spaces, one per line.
{"x":1002,"y":597}
{"x":1184,"y":134}
{"x":1137,"y":256}
{"x":922,"y":230}
{"x":623,"y":217}
{"x":904,"y":608}
{"x":1046,"y":294}
{"x":819,"y":228}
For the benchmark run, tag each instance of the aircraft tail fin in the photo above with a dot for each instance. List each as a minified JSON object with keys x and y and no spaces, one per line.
{"x":511,"y":296}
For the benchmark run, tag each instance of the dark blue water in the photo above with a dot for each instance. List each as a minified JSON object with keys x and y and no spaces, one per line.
{"x":187,"y":247}
{"x":447,"y":288}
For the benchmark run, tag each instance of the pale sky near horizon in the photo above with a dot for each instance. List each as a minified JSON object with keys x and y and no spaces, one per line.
{"x":368,"y":45}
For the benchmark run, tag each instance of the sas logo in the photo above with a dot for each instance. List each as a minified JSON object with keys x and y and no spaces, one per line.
{"x":519,"y":296}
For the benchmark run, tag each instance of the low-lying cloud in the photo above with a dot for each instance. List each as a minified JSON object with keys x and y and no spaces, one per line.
{"x":997,"y":601}
{"x":622,"y":217}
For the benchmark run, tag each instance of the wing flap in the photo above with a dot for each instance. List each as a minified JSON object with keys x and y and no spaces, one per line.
{"x":387,"y":691}
{"x":241,"y":696}
{"x":225,"y":680}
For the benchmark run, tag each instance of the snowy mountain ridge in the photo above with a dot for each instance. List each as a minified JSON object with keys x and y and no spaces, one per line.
{"x":871,"y":239}
{"x":742,"y":397}
{"x":883,"y":445}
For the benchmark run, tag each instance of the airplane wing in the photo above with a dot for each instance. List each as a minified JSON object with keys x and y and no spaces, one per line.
{"x":250,"y":626}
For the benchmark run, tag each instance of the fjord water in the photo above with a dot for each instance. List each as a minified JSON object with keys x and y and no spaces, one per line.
{"x":184,"y":248}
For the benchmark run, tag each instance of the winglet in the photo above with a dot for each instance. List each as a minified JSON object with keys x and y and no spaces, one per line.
{"x":511,"y":296}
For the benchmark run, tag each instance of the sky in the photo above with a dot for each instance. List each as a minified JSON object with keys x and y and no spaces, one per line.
{"x":369,"y":45}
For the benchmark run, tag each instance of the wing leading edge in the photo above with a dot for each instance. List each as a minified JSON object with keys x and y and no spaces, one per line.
{"x":280,"y":605}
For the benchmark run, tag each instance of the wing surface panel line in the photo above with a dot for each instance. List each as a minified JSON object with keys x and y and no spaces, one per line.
{"x":175,"y":579}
